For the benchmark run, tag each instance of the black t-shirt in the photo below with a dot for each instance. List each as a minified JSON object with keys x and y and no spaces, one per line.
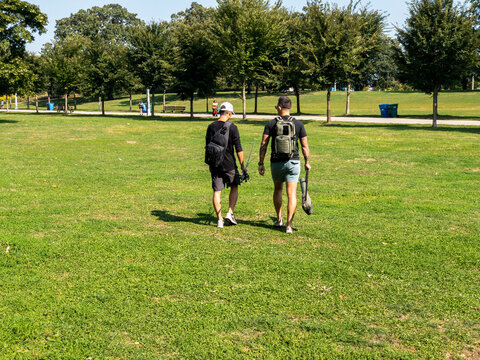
{"x":271,"y":130}
{"x":229,"y":162}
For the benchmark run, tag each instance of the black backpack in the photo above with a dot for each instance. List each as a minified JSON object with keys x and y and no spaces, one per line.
{"x":216,"y":148}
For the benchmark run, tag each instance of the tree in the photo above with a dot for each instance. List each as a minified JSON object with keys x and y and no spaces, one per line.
{"x":289,"y":69}
{"x":331,"y":48}
{"x":438,"y":44}
{"x":196,"y":67}
{"x":63,"y":63}
{"x":251,"y":32}
{"x":34,"y":85}
{"x":369,"y":40}
{"x":16,"y":76}
{"x":476,"y":11}
{"x":19,"y":20}
{"x":150,"y":54}
{"x":110,"y":22}
{"x":380,"y":71}
{"x":107,"y":70}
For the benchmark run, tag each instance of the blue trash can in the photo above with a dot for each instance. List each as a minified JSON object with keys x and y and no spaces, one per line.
{"x":384,"y":110}
{"x":332,"y":89}
{"x":392,"y":110}
{"x":144,"y":108}
{"x":50,"y":106}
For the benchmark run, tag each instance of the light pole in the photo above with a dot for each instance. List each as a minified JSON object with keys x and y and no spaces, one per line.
{"x":148,"y":101}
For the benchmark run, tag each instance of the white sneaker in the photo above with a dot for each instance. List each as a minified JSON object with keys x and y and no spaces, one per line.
{"x":231,"y":219}
{"x":278,"y":223}
{"x":220,"y":224}
{"x":289,"y":230}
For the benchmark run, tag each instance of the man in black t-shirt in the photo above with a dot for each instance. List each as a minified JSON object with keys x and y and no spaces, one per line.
{"x":227,"y":173}
{"x":284,"y":169}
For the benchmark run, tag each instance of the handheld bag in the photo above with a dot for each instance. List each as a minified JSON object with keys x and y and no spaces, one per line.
{"x":307,"y":205}
{"x":284,"y":140}
{"x":215,"y":149}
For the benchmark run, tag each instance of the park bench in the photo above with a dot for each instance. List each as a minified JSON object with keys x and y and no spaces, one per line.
{"x":175,"y":108}
{"x":61,"y":108}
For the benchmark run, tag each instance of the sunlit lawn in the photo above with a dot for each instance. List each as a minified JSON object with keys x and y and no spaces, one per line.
{"x":108,"y":248}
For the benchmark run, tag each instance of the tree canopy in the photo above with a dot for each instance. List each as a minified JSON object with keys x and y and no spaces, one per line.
{"x":438,"y":44}
{"x":249,"y":32}
{"x":110,"y":23}
{"x":19,"y":20}
{"x":196,"y":66}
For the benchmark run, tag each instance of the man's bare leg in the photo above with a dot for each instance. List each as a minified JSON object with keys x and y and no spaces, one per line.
{"x":292,"y":202}
{"x":217,"y":204}
{"x":277,"y":199}
{"x":232,"y":199}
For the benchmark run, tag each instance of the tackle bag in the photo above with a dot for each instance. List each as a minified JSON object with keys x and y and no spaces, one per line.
{"x":284,"y":143}
{"x":216,"y":148}
{"x":307,"y":205}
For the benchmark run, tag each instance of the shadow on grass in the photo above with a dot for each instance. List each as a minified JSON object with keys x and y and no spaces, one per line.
{"x":207,"y":219}
{"x":414,"y":116}
{"x":200,"y":219}
{"x":440,"y":128}
{"x":8,"y":121}
{"x":260,"y":223}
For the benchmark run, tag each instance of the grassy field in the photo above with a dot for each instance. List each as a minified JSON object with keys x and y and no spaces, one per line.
{"x":452,"y":105}
{"x":108,"y":248}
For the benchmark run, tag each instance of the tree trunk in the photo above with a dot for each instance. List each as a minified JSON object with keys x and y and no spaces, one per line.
{"x":75,"y":101}
{"x":244,"y":100}
{"x":6,"y":101}
{"x":48,"y":98}
{"x":297,"y":94}
{"x":28,"y":102}
{"x":256,"y":99}
{"x":329,"y":116}
{"x":103,"y":106}
{"x":130,"y":100}
{"x":191,"y":106}
{"x":36,"y":103}
{"x":164,"y":94}
{"x":347,"y":110}
{"x":206,"y":106}
{"x":435,"y":107}
{"x":66,"y":103}
{"x":153,"y":103}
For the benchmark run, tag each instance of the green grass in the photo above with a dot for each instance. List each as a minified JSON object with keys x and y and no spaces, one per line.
{"x":108,"y":248}
{"x":452,"y":105}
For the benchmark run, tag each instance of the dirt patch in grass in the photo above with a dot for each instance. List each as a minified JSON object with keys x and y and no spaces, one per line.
{"x":368,"y":160}
{"x":244,"y":336}
{"x":471,"y":353}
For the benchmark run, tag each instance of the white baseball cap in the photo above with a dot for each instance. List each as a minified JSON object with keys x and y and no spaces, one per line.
{"x":226,"y":106}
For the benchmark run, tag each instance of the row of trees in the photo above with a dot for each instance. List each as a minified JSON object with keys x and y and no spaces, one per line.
{"x":247,"y":44}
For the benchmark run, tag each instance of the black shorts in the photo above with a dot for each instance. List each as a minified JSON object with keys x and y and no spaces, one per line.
{"x":222,"y":178}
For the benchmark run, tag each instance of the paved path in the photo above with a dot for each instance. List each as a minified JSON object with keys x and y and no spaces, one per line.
{"x":366,"y":120}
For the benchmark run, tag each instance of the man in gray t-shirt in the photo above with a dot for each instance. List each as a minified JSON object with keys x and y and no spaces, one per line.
{"x":284,"y":169}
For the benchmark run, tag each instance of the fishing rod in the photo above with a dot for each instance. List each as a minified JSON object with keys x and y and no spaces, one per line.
{"x":245,"y":177}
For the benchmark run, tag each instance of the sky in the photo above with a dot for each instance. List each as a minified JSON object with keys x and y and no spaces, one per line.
{"x":157,"y":10}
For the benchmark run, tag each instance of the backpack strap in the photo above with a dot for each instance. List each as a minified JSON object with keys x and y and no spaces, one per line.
{"x":226,"y":125}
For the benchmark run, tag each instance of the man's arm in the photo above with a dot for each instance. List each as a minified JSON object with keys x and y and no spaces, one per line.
{"x":263,"y":152}
{"x":241,"y":160}
{"x":306,"y":152}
